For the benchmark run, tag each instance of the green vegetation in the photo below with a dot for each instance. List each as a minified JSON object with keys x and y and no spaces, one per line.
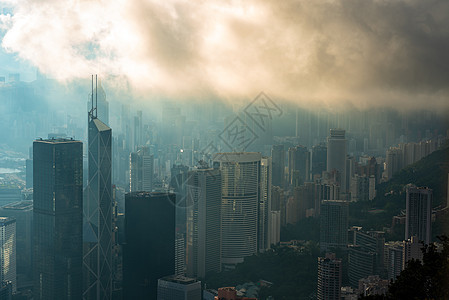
{"x":305,"y":229}
{"x":431,"y":171}
{"x":293,"y":272}
{"x":423,"y":280}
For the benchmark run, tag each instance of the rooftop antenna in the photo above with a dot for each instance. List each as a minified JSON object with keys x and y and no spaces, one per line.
{"x":96,"y":97}
{"x":92,"y":95}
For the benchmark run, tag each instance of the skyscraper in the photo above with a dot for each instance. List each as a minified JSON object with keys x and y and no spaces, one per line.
{"x":58,"y":217}
{"x":8,"y":251}
{"x":203,"y":222}
{"x":149,"y":252}
{"x":336,"y":155}
{"x":97,"y":228}
{"x":329,"y":277}
{"x":418,"y":219}
{"x":333,"y":224}
{"x":240,"y":178}
{"x":141,"y":170}
{"x":265,"y":204}
{"x":178,"y":288}
{"x":298,"y":161}
{"x":22,"y":211}
{"x":319,"y":159}
{"x":278,"y":160}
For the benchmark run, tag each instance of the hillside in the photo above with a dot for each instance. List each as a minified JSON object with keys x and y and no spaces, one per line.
{"x":431,"y":171}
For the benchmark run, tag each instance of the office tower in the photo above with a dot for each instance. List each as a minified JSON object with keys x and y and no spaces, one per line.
{"x":370,"y":241}
{"x":393,"y":161}
{"x":97,"y":231}
{"x":359,"y":189}
{"x":29,"y":173}
{"x":336,"y":155}
{"x":180,"y":254}
{"x":304,"y":198}
{"x":319,"y":159}
{"x":333,"y":224}
{"x":149,"y":252}
{"x":411,"y":249}
{"x":324,"y":191}
{"x":298,"y":161}
{"x":138,"y":130}
{"x":278,"y":160}
{"x":141,"y":170}
{"x":178,"y":288}
{"x":203,"y":222}
{"x":275,"y":227}
{"x":362,"y":263}
{"x":240,"y":180}
{"x":418,"y":220}
{"x":329,"y":277}
{"x":178,"y":180}
{"x":57,"y":219}
{"x":22,"y":211}
{"x":278,"y":203}
{"x":8,"y":251}
{"x":291,"y":210}
{"x":393,"y":259}
{"x":264,"y":204}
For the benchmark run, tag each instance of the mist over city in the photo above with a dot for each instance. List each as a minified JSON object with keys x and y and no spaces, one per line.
{"x":224,"y":149}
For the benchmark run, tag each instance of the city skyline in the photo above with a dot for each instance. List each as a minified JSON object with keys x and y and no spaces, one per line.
{"x":236,"y":150}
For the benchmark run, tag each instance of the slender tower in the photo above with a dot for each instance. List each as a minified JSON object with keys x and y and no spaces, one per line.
{"x":97,"y":231}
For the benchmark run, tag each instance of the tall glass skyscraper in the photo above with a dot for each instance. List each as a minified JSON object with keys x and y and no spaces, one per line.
{"x":97,"y":230}
{"x":264,"y":214}
{"x":240,"y":178}
{"x":418,"y":221}
{"x":336,"y":155}
{"x":8,"y":251}
{"x":203,"y":222}
{"x":58,"y":217}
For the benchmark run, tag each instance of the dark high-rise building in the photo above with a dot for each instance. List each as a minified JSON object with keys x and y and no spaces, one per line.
{"x":203,"y":222}
{"x":336,"y":155}
{"x":362,"y":263}
{"x":178,"y":288}
{"x":58,"y":217}
{"x":298,"y":165}
{"x":278,"y":160}
{"x":149,"y":251}
{"x":329,"y":277}
{"x":418,"y":221}
{"x":319,"y":159}
{"x":22,"y":211}
{"x":29,"y":173}
{"x":97,"y":231}
{"x":333,"y":224}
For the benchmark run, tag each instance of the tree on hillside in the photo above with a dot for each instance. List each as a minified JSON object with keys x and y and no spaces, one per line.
{"x":428,"y":279}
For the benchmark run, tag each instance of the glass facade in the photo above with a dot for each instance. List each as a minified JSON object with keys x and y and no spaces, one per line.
{"x":57,"y":221}
{"x":98,"y":214}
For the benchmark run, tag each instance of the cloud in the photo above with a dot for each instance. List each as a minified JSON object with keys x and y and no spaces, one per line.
{"x":363,"y":53}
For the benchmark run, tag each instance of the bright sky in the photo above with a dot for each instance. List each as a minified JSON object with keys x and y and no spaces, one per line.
{"x":328,"y":52}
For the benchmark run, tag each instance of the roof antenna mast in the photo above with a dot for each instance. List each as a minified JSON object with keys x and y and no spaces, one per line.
{"x":96,"y":97}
